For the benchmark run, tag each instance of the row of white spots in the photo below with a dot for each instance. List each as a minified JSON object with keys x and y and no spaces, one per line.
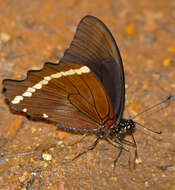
{"x":31,"y":90}
{"x":44,"y":115}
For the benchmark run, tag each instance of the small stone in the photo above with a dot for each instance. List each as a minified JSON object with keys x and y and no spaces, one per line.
{"x":47,"y":156}
{"x":167,"y":62}
{"x":4,"y":37}
{"x":126,"y":86}
{"x":62,"y":134}
{"x":59,"y":142}
{"x":33,"y":129}
{"x":138,"y":161}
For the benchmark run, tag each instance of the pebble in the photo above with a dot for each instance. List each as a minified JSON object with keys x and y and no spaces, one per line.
{"x":4,"y":37}
{"x":138,"y":161}
{"x":167,"y":62}
{"x":47,"y":156}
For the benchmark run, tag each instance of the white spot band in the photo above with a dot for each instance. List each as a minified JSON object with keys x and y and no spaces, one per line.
{"x":45,"y":81}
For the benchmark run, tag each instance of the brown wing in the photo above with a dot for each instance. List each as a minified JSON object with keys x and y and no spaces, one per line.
{"x":68,"y":94}
{"x":94,"y":46}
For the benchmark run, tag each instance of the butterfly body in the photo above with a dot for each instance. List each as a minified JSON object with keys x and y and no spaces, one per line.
{"x":117,"y":131}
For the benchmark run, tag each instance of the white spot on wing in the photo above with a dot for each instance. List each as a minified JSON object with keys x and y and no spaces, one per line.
{"x":71,"y":72}
{"x":63,"y":73}
{"x":37,"y":86}
{"x":31,"y":90}
{"x":82,"y":70}
{"x":78,"y":71}
{"x":45,"y":115}
{"x":27,"y":94}
{"x":45,"y":81}
{"x":57,"y":75}
{"x":24,"y":110}
{"x":15,"y":101}
{"x":19,"y":97}
{"x":85,"y":69}
{"x":48,"y":78}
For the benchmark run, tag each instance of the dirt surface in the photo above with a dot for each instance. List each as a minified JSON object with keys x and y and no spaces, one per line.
{"x":33,"y":32}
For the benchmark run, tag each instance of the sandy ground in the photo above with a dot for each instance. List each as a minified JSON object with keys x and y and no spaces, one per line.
{"x":33,"y":32}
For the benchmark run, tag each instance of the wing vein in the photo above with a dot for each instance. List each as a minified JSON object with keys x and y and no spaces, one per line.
{"x":92,"y":97}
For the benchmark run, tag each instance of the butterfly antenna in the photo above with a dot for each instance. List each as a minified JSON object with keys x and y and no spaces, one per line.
{"x":155,"y":105}
{"x":21,"y":154}
{"x":157,"y":132}
{"x":2,"y":157}
{"x":162,"y":102}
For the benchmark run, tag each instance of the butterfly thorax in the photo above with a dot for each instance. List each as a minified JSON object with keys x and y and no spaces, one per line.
{"x":116,"y":130}
{"x":124,"y":126}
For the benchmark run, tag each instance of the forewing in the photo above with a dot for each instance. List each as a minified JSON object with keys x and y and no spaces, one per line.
{"x":94,"y":46}
{"x":65,"y":93}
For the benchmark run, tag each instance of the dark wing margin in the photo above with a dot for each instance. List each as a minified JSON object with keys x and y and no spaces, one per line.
{"x":94,"y":46}
{"x":66,"y":94}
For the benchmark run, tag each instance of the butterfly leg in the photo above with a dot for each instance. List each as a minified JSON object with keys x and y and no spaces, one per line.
{"x":121,"y":146}
{"x":74,"y":143}
{"x":135,"y":146}
{"x":118,"y":156}
{"x":91,"y":147}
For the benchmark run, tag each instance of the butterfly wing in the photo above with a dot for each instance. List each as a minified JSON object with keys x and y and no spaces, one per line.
{"x":94,"y":46}
{"x":67,"y":94}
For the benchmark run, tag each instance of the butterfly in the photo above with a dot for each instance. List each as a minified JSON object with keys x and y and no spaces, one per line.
{"x":84,"y":92}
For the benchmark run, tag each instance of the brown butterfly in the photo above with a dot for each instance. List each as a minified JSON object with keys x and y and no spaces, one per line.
{"x":84,"y":92}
